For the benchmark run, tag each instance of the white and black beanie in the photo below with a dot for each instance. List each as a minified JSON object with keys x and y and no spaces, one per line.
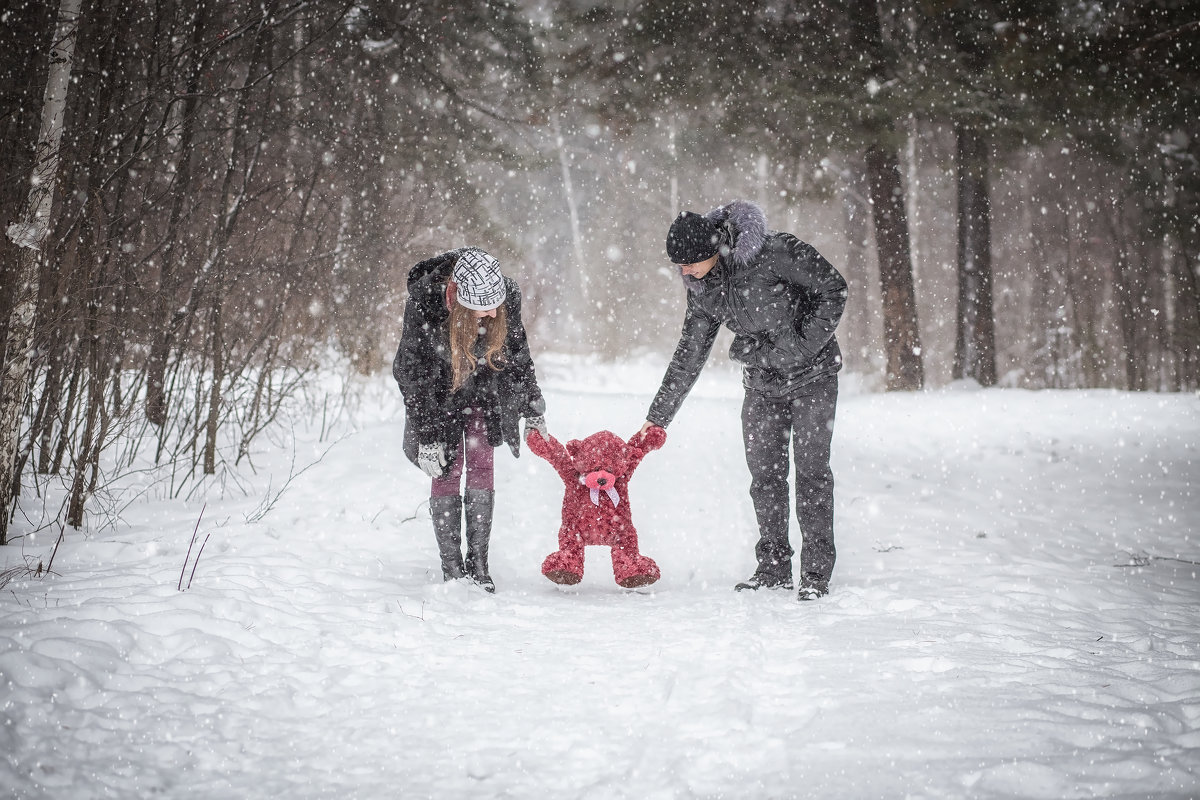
{"x":480,"y":284}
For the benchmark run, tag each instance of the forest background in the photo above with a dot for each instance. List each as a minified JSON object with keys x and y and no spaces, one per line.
{"x":210,"y":205}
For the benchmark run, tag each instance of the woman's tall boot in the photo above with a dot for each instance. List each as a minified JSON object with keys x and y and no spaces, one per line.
{"x":479,"y":506}
{"x":447,"y":528}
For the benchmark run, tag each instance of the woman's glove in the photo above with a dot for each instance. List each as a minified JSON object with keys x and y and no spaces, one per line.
{"x":536,"y":423}
{"x":431,"y":458}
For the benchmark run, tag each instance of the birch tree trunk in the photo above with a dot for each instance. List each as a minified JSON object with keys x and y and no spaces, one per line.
{"x":862,"y":305}
{"x":580,"y":304}
{"x":29,"y":234}
{"x":912,"y":197}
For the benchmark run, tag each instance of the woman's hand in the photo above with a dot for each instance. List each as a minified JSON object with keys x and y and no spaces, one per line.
{"x":536,"y":423}
{"x":431,"y":458}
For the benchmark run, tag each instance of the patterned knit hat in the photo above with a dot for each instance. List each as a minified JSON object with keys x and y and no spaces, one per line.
{"x":480,"y":284}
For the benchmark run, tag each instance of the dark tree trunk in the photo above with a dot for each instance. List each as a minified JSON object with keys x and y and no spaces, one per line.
{"x":902,"y":338}
{"x":901,"y":334}
{"x":975,"y":343}
{"x":165,"y":313}
{"x":213,"y":420}
{"x":95,"y":365}
{"x":1186,"y":335}
{"x":1086,"y":317}
{"x":1130,"y":291}
{"x":1125,"y":290}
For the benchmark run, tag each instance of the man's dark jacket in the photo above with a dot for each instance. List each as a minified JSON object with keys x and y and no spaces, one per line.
{"x":778,"y":295}
{"x":422,"y":368}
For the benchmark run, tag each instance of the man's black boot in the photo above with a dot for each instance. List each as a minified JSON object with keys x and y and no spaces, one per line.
{"x":763,"y":580}
{"x":813,"y":587}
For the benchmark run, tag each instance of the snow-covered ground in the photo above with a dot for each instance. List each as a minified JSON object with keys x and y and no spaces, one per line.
{"x":1015,"y":613}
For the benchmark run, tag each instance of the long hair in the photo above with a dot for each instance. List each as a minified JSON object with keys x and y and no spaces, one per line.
{"x":464,"y":331}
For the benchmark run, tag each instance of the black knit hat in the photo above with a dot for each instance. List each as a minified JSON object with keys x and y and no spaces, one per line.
{"x":692,"y":238}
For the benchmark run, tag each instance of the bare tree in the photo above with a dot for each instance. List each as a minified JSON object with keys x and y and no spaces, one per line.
{"x":29,"y":235}
{"x":168,"y":321}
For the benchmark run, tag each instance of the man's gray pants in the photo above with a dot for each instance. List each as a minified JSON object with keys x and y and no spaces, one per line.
{"x":806,"y":419}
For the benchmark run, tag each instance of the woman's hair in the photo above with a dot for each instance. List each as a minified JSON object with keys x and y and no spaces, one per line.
{"x":464,"y":330}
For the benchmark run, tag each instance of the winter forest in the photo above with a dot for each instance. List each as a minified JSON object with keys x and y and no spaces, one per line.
{"x":238,"y":189}
{"x":209,"y":213}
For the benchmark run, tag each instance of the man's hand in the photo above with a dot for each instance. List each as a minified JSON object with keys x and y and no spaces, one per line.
{"x":650,"y":437}
{"x":645,"y":428}
{"x":431,"y":458}
{"x":746,"y":349}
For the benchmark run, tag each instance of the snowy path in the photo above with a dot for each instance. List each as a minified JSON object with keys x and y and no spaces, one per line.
{"x":979,"y":640}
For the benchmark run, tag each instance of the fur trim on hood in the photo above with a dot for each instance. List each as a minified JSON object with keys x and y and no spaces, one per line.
{"x":749,"y":229}
{"x":745,"y":225}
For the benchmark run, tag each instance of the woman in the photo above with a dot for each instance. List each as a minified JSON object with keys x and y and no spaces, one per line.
{"x":466,"y":374}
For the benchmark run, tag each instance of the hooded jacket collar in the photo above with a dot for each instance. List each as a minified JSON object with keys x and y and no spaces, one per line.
{"x":744,"y":232}
{"x":747,"y":226}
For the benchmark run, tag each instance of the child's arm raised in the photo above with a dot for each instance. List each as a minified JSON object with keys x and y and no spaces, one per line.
{"x":642,"y":442}
{"x":551,"y":449}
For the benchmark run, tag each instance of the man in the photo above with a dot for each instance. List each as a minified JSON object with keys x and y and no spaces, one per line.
{"x":782,"y":300}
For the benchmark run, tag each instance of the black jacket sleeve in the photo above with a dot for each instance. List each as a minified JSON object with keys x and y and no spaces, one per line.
{"x":527,"y":393}
{"x":419,"y":372}
{"x":695,"y":343}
